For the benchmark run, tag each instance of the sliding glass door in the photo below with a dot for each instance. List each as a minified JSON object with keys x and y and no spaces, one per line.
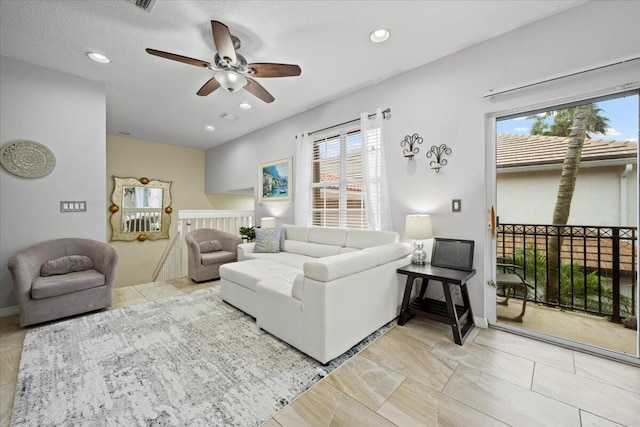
{"x":567,"y":222}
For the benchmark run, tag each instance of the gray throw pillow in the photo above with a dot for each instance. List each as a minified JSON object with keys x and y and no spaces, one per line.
{"x":66,"y":264}
{"x":267,"y":240}
{"x":283,"y":235}
{"x":207,"y":246}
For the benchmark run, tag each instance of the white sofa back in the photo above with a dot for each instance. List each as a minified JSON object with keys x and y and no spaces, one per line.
{"x":320,"y":242}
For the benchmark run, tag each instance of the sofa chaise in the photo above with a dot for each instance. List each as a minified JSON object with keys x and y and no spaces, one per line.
{"x":324,"y":291}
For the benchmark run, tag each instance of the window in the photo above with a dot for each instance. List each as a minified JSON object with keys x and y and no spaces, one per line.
{"x":341,"y":178}
{"x":336,"y":188}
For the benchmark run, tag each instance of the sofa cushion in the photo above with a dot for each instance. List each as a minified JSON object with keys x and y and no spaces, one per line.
{"x":390,"y":252}
{"x":216,"y":257}
{"x":315,"y":250}
{"x":66,"y":264}
{"x":345,"y":250}
{"x":328,"y":235}
{"x":283,"y":234}
{"x":284,"y":258}
{"x":334,"y":267}
{"x":361,"y":239}
{"x":248,"y":273}
{"x":267,"y":240}
{"x":297,"y":232}
{"x":208,"y":246}
{"x":279,"y":285}
{"x":53,"y":286}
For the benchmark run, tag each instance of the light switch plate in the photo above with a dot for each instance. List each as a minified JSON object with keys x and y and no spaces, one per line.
{"x":456,"y":205}
{"x":73,"y":206}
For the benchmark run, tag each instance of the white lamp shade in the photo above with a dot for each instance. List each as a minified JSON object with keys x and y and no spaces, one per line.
{"x":268,"y":222}
{"x":418,"y":227}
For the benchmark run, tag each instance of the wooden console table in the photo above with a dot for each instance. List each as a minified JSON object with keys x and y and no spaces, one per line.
{"x":460,"y":317}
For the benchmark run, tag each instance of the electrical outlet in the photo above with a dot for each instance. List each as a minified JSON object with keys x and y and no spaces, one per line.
{"x":456,"y":205}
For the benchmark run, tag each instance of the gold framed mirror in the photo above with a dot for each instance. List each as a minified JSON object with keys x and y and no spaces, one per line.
{"x":140,"y":210}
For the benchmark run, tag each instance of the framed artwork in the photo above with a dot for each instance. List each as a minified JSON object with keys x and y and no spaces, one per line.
{"x":275,"y":180}
{"x":452,"y":253}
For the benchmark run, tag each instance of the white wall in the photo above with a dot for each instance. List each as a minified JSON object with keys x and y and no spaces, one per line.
{"x":443,"y":102}
{"x":67,"y":114}
{"x":530,"y":197}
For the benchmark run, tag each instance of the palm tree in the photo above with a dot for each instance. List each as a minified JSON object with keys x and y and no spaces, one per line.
{"x":563,"y":121}
{"x":574,"y":123}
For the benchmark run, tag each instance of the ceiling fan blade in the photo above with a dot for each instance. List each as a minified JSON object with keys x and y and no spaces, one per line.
{"x":254,"y":88}
{"x":265,"y":69}
{"x":222,"y":40}
{"x":209,"y":87}
{"x":179,"y":58}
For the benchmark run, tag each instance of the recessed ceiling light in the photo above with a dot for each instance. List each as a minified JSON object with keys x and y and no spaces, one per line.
{"x":245,"y":105}
{"x":98,"y":57}
{"x":380,"y":35}
{"x":209,"y":128}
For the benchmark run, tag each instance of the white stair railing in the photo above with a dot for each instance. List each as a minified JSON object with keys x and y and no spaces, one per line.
{"x":172,"y":262}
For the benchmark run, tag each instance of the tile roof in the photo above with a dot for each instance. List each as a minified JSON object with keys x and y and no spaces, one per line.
{"x":529,"y":150}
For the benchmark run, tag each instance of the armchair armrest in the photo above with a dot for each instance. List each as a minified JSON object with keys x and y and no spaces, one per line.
{"x":192,"y":245}
{"x":509,"y":266}
{"x":23,"y":271}
{"x":514,"y":270}
{"x":230,"y":242}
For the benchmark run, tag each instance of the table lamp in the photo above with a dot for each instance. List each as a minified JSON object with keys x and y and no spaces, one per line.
{"x":418,"y":227}
{"x":268,"y":222}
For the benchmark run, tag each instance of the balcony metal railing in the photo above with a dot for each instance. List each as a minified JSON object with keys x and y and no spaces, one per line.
{"x":597,"y":272}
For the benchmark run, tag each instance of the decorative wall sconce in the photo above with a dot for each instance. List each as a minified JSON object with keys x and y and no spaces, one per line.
{"x":439,"y":153}
{"x":411,"y":141}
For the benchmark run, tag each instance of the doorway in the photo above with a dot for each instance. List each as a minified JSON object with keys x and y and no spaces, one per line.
{"x":567,"y":222}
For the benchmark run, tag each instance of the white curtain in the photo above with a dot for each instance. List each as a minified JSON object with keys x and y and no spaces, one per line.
{"x":374,"y":176}
{"x":303,"y":176}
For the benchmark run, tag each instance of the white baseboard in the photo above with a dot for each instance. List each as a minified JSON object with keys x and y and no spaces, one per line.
{"x":9,"y":311}
{"x":481,"y":322}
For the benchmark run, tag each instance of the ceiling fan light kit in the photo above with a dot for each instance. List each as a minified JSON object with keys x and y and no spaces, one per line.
{"x":230,"y":80}
{"x":232,"y":71}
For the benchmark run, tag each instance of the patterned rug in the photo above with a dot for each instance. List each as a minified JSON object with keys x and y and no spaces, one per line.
{"x":190,"y":360}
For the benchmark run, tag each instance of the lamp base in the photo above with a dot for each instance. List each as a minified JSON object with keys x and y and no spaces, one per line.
{"x":418,"y":256}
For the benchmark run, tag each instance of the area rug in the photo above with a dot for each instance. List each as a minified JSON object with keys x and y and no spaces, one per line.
{"x":190,"y":360}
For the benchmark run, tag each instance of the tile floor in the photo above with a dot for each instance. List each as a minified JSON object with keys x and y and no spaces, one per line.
{"x":415,"y":375}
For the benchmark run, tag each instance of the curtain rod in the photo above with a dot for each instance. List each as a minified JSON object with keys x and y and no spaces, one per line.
{"x":493,"y":93}
{"x":384,"y":116}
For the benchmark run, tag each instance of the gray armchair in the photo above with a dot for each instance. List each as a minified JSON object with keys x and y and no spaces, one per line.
{"x":204,"y":266}
{"x":49,"y":297}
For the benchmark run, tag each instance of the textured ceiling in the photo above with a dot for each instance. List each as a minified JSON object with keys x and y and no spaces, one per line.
{"x":155,"y":99}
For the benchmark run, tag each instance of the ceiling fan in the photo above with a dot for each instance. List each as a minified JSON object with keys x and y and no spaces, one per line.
{"x":233,"y":72}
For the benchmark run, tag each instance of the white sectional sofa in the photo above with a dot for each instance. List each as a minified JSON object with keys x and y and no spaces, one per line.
{"x":326,"y":290}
